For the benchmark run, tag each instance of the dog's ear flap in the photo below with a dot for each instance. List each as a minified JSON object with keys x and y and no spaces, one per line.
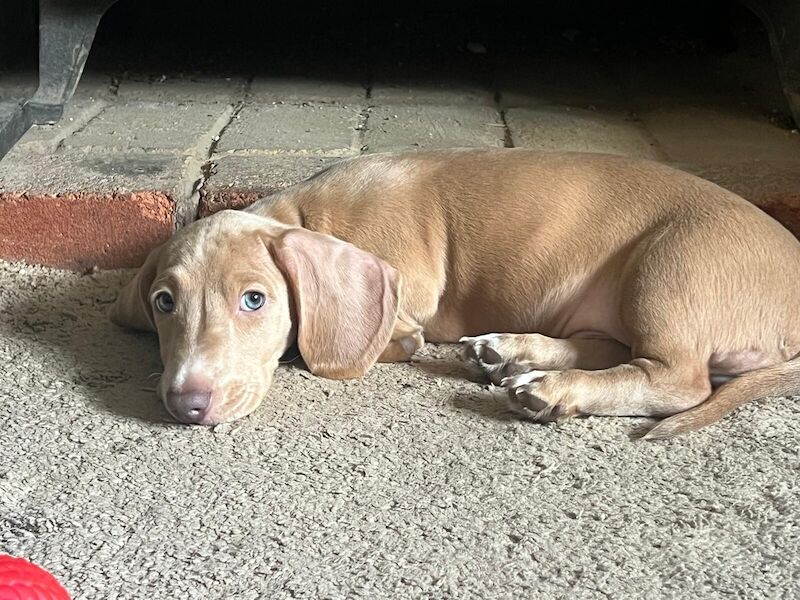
{"x":132,"y":308}
{"x":346,"y":301}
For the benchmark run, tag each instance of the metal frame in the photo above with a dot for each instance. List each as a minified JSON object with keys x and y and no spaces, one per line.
{"x":66,"y":33}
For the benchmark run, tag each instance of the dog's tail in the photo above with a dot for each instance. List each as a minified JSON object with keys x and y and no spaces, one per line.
{"x":779,"y":380}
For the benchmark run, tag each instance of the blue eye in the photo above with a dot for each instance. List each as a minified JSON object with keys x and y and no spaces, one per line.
{"x":252,"y":301}
{"x":164,"y":303}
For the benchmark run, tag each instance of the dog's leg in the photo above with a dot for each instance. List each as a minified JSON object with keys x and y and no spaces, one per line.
{"x":502,"y":355}
{"x":405,"y":341}
{"x":643,"y":387}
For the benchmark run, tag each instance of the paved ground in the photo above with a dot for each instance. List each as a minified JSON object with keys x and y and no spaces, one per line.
{"x":413,"y":482}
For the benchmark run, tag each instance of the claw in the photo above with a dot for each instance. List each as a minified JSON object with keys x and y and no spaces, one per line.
{"x":522,"y":379}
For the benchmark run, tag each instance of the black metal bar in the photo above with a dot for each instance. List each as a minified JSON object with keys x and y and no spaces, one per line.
{"x":66,"y":33}
{"x":14,"y":122}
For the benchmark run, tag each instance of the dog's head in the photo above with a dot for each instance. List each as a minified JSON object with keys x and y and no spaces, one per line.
{"x":229,"y":294}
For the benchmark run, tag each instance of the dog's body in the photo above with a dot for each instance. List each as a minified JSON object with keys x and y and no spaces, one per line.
{"x":635,"y":283}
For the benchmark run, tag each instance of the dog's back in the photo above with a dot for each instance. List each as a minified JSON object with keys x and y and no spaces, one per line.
{"x":464,"y":226}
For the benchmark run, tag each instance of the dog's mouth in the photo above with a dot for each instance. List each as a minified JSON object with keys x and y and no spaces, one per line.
{"x":216,"y":414}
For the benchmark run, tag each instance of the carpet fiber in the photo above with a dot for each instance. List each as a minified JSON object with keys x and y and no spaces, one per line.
{"x":413,"y":482}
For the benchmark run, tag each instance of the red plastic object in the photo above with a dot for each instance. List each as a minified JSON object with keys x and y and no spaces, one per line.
{"x":23,"y":580}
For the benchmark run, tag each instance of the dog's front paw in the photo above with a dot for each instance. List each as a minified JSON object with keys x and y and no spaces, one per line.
{"x":481,"y":349}
{"x":535,"y":396}
{"x":493,"y":354}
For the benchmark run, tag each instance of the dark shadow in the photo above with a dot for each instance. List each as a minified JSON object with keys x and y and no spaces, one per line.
{"x":493,"y":405}
{"x":625,"y":57}
{"x":451,"y":369}
{"x":66,"y":322}
{"x":639,"y":430}
{"x":583,"y":54}
{"x":486,"y":404}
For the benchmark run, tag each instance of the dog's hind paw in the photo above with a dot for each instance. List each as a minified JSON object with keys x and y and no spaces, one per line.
{"x":533,"y":396}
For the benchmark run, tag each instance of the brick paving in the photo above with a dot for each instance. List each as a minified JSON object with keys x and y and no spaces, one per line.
{"x":136,"y":156}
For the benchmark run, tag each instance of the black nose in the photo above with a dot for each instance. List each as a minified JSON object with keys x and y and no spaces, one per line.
{"x":189,"y":407}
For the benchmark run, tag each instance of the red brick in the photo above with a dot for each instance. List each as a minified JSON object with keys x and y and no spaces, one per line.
{"x":84,"y":229}
{"x":786,"y":210}
{"x":233,"y":198}
{"x":773,"y":187}
{"x":80,"y":209}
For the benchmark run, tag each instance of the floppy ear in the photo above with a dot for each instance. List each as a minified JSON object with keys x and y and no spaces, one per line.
{"x":345,"y":298}
{"x":132,"y":308}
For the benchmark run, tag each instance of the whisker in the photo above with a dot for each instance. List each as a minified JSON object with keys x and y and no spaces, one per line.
{"x":156,"y":375}
{"x":289,"y":360}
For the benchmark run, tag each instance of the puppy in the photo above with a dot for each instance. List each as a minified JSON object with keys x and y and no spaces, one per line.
{"x":586,"y":284}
